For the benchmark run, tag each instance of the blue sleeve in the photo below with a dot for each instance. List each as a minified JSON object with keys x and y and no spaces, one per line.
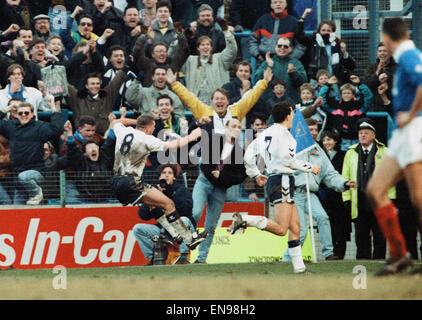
{"x":412,"y":64}
{"x":367,"y":96}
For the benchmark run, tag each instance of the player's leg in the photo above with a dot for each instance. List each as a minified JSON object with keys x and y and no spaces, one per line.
{"x":294,"y":246}
{"x":171,"y":218}
{"x":387,"y":175}
{"x":413,"y":176}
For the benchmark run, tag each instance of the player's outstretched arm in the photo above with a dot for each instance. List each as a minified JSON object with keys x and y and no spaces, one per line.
{"x":180,"y":143}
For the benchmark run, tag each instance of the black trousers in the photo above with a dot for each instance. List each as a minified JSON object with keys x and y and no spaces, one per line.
{"x":365,"y":223}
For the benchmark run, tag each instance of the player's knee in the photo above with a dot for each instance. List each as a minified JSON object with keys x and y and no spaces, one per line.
{"x":282,"y":231}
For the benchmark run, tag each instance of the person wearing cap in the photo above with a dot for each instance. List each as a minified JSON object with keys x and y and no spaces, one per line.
{"x":42,"y":27}
{"x":359,"y":164}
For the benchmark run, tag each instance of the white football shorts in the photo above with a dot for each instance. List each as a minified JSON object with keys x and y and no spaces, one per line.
{"x":405,"y":145}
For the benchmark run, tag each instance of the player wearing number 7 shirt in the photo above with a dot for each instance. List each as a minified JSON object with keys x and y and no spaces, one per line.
{"x":133,"y":147}
{"x":278,"y":148}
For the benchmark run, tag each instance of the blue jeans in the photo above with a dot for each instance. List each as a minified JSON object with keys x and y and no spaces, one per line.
{"x":205,"y":193}
{"x":144,"y":232}
{"x":4,"y":195}
{"x":321,"y":218}
{"x":28,"y":183}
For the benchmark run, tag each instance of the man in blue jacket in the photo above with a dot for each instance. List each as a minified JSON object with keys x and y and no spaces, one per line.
{"x":26,"y":138}
{"x":183,"y":202}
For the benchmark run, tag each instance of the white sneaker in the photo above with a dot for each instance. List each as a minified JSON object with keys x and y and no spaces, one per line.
{"x":35,"y":199}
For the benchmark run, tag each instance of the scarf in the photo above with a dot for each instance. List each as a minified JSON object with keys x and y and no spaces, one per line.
{"x":17,"y":94}
{"x":329,"y":40}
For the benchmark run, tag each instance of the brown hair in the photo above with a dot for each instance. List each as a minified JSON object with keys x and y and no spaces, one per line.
{"x":203,"y":38}
{"x":243,"y":63}
{"x":222,"y":91}
{"x":26,"y":104}
{"x":307,"y":86}
{"x":12,"y":68}
{"x":348,"y":86}
{"x":143,"y":120}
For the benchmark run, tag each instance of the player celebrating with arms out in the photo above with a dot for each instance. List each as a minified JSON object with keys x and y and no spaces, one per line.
{"x":133,"y":146}
{"x":404,"y":156}
{"x":278,"y":148}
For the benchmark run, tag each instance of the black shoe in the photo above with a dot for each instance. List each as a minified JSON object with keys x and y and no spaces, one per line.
{"x":198,"y":239}
{"x":199,"y":262}
{"x":393,"y":266}
{"x":238,"y":222}
{"x":332,"y":257}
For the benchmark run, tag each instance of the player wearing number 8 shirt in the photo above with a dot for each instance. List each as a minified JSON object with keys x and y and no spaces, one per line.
{"x":278,"y":148}
{"x":133,"y":147}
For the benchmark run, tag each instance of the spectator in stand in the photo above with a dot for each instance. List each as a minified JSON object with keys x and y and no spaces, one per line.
{"x":186,"y":11}
{"x":379,"y":78}
{"x":149,"y":13}
{"x":278,"y":90}
{"x":241,"y":82}
{"x":284,"y":67}
{"x":144,"y":99}
{"x":331,"y":200}
{"x":323,"y":78}
{"x":343,"y":114}
{"x":324,"y":50}
{"x":208,"y":71}
{"x":86,"y":132}
{"x":182,"y":198}
{"x":359,"y":164}
{"x":310,"y":106}
{"x":168,"y":125}
{"x":94,"y":101}
{"x":10,"y":13}
{"x":15,"y":89}
{"x":104,"y":15}
{"x":243,"y":15}
{"x":206,"y":26}
{"x":125,"y":34}
{"x":42,"y":26}
{"x":85,"y":27}
{"x":27,"y":137}
{"x":270,"y":28}
{"x":91,"y":62}
{"x":159,"y":57}
{"x":116,"y":58}
{"x":162,"y":29}
{"x":55,"y":47}
{"x":26,"y":35}
{"x":93,"y":165}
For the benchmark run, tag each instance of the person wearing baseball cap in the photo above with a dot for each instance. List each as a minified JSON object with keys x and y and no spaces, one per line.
{"x":41,"y":24}
{"x":360,"y":161}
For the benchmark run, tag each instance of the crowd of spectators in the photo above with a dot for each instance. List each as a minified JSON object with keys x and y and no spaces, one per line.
{"x":102,"y":58}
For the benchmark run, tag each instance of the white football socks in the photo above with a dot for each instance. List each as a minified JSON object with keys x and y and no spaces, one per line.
{"x":297,"y":259}
{"x":259,"y":222}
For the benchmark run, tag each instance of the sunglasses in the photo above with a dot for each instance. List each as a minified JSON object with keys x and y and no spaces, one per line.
{"x":284,"y":46}
{"x":23,"y":113}
{"x":86,"y":24}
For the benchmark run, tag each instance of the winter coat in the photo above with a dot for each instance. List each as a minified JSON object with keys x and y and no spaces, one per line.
{"x":268,"y":29}
{"x":215,"y":71}
{"x":247,"y":12}
{"x":82,"y":104}
{"x":343,"y":115}
{"x":27,"y":141}
{"x":293,"y":80}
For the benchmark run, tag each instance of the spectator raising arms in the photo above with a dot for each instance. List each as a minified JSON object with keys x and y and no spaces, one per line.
{"x":324,"y":51}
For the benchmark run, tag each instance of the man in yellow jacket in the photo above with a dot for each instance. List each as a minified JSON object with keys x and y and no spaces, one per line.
{"x":220,"y":112}
{"x":359,"y":164}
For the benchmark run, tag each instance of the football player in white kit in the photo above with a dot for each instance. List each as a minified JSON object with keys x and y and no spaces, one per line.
{"x":133,"y":147}
{"x":278,"y":148}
